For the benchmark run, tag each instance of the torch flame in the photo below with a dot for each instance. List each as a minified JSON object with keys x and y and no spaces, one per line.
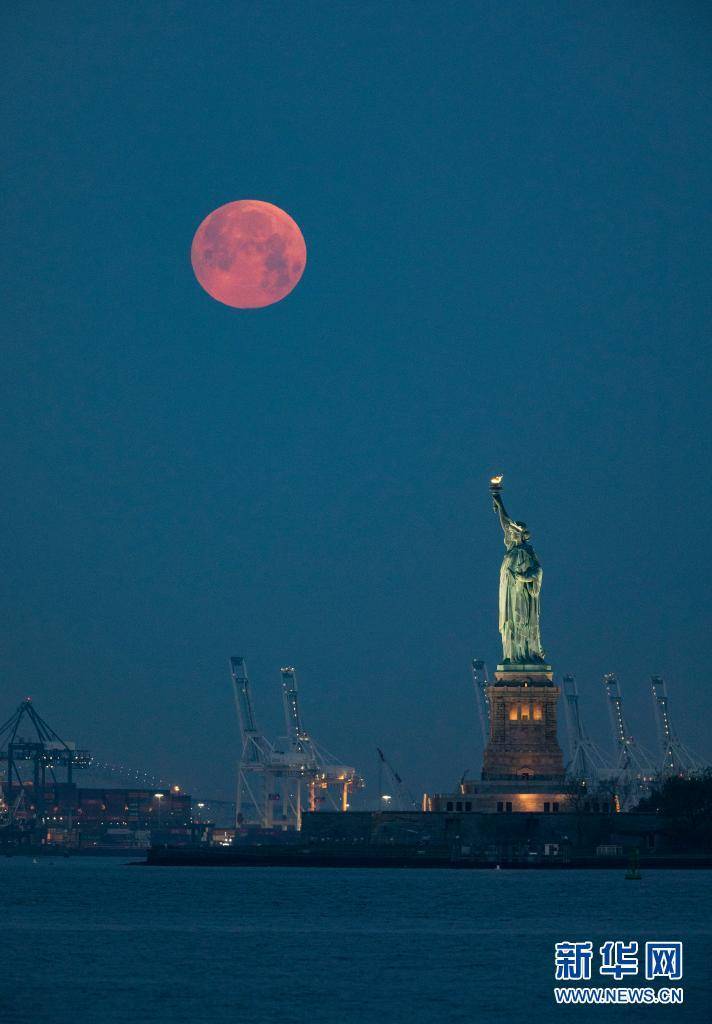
{"x":497,"y":479}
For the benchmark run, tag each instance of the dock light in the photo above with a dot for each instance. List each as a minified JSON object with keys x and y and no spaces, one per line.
{"x":386,"y":798}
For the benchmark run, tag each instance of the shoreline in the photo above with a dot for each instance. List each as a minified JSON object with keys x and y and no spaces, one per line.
{"x":162,"y":857}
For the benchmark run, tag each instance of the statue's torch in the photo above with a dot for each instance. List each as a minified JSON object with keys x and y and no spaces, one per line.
{"x":496,"y":488}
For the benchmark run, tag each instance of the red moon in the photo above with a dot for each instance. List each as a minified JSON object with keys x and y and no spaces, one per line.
{"x":248,"y":254}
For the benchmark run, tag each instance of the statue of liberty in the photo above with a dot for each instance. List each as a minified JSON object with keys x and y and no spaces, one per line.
{"x":519,"y":589}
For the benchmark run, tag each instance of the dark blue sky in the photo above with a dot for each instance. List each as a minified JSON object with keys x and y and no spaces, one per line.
{"x":507,"y":215}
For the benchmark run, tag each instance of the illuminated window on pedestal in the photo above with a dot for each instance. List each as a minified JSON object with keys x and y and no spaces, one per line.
{"x":525,"y":712}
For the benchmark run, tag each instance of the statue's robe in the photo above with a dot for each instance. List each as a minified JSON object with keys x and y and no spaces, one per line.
{"x":519,"y":589}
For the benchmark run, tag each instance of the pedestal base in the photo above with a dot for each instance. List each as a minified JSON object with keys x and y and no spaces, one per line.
{"x":523,"y":742}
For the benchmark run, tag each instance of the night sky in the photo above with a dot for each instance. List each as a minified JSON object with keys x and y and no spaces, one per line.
{"x":507,"y":215}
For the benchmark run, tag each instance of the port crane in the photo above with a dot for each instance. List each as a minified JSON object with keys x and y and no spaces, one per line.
{"x":586,"y":762}
{"x":633,"y":770}
{"x":298,"y":737}
{"x":321,"y":769}
{"x":272,"y":776}
{"x":256,"y":766}
{"x":676,"y":758}
{"x":404,"y":800}
{"x":26,"y":738}
{"x":480,"y":678}
{"x":631,"y":757}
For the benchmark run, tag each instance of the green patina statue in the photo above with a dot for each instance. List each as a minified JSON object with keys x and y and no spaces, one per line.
{"x":519,"y":589}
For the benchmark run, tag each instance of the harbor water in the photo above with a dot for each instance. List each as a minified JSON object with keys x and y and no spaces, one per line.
{"x":95,"y":940}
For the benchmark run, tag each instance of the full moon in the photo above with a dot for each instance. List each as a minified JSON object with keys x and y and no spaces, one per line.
{"x":248,"y":254}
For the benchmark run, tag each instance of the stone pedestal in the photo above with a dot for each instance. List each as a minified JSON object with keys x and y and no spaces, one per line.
{"x":523,"y":743}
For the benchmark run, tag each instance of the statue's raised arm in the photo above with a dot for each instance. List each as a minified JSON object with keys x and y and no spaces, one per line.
{"x":504,"y":521}
{"x":510,"y":528}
